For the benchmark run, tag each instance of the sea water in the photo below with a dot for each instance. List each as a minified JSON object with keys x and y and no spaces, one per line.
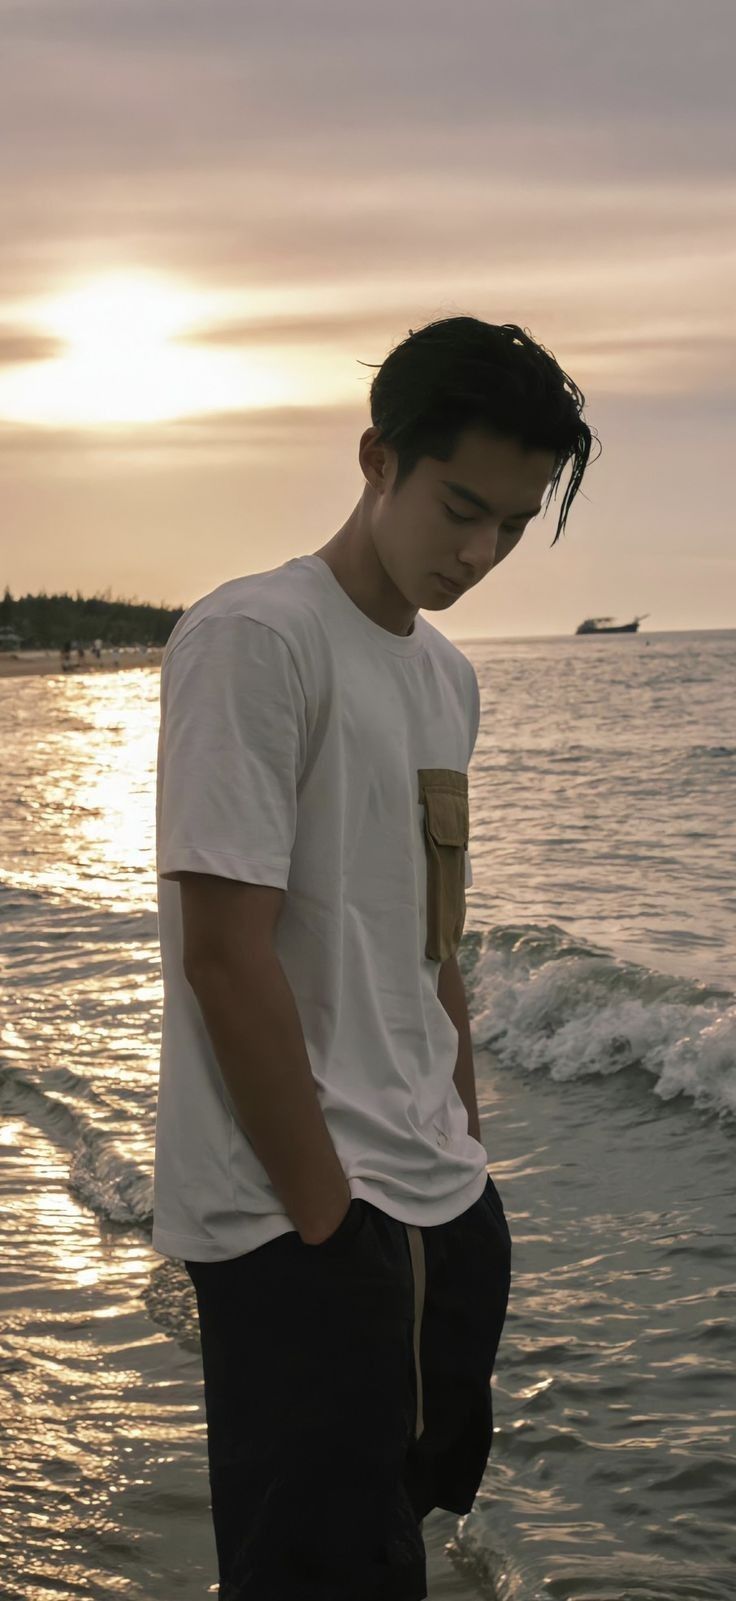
{"x":600,"y":963}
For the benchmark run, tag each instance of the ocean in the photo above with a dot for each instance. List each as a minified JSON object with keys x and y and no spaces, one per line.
{"x":599,"y":956}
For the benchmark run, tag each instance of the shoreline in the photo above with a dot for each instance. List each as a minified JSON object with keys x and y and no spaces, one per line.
{"x":31,"y":664}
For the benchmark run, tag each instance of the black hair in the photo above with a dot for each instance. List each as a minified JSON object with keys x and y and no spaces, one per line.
{"x":461,"y":373}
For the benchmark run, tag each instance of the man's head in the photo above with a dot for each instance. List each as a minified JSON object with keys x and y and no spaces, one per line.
{"x":473,"y":404}
{"x":469,"y":421}
{"x":456,"y":518}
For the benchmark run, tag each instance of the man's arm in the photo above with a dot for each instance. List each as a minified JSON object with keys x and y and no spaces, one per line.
{"x":251,"y":1016}
{"x":451,"y":992}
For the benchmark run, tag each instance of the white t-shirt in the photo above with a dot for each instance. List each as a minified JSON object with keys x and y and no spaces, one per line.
{"x":294,"y":732}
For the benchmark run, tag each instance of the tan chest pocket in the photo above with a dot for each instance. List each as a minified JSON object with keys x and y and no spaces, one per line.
{"x":444,"y":795}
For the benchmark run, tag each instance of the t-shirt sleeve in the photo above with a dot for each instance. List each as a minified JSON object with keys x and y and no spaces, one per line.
{"x":474,"y":712}
{"x":473,"y":735}
{"x":232,"y":745}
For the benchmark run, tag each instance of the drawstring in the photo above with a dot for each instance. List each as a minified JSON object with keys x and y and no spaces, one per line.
{"x":416,"y":1249}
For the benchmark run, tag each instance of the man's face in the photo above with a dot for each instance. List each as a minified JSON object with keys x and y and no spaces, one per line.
{"x":429,"y":528}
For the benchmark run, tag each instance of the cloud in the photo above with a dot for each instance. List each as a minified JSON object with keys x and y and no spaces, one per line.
{"x":633,"y":87}
{"x":25,"y":346}
{"x":278,"y":427}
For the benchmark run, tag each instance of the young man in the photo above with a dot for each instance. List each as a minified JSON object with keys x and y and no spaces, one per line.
{"x":319,"y":1166}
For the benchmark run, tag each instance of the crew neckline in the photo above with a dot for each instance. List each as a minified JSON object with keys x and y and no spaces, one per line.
{"x":398,"y":644}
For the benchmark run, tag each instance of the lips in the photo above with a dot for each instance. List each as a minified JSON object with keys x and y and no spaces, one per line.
{"x":457,"y":589}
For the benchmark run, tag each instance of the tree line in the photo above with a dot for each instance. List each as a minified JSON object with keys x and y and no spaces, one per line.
{"x":46,"y":622}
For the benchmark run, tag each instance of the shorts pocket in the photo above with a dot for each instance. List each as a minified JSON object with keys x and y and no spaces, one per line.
{"x":345,"y":1231}
{"x":444,"y":794}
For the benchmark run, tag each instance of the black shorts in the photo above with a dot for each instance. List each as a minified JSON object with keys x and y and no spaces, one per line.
{"x":347,"y":1394}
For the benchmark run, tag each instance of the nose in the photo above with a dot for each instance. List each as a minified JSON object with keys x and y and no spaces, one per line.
{"x":478,"y":557}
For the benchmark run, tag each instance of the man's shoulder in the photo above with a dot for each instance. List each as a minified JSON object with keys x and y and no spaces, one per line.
{"x":268,"y":599}
{"x":449,"y":653}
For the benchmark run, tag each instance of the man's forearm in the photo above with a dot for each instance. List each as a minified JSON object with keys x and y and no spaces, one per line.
{"x":451,"y":992}
{"x":251,"y":1017}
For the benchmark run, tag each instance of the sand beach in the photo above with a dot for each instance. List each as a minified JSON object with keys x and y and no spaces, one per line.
{"x":31,"y":663}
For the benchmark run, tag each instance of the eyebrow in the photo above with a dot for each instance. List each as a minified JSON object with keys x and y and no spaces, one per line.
{"x":477,"y":500}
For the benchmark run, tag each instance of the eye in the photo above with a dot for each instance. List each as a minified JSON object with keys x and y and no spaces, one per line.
{"x":456,"y":518}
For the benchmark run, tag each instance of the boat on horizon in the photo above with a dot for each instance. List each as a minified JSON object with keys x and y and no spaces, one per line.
{"x":606,"y":625}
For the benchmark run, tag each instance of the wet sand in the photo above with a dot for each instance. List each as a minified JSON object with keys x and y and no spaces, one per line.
{"x":103,"y":1400}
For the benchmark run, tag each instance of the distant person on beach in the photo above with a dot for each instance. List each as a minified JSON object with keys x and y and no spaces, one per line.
{"x":319,"y":1167}
{"x":66,"y":656}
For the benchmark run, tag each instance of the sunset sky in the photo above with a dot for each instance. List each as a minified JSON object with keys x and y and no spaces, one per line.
{"x":215,"y":210}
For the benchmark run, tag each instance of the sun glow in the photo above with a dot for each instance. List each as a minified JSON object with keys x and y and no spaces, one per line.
{"x":108,"y":315}
{"x":122,"y":362}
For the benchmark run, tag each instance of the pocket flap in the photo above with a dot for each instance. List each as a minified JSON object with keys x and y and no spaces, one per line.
{"x":445,"y":796}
